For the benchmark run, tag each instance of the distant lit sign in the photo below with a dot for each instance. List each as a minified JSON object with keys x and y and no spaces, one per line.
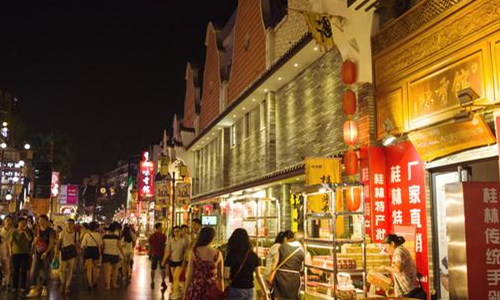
{"x":54,"y":188}
{"x":146,"y":178}
{"x":72,"y":195}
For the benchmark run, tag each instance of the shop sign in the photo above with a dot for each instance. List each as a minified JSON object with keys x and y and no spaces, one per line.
{"x":183,"y":193}
{"x":482,"y":239}
{"x":146,"y":177}
{"x":54,"y":187}
{"x":406,"y":199}
{"x":449,"y":138}
{"x":438,"y":91}
{"x":63,"y":196}
{"x":321,"y":170}
{"x":373,"y":176}
{"x":162,"y":192}
{"x":72,"y":195}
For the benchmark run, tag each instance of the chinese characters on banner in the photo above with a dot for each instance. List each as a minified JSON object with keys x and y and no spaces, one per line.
{"x":482,"y":235}
{"x":146,"y":178}
{"x":374,"y":178}
{"x":322,"y":170}
{"x":406,"y":198}
{"x":72,"y":194}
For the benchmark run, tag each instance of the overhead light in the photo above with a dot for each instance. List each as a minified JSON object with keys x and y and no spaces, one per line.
{"x":253,"y":99}
{"x":27,"y":146}
{"x":279,"y":78}
{"x":296,"y":65}
{"x":5,"y":124}
{"x":3,"y":145}
{"x":21,"y":163}
{"x":234,"y":116}
{"x":388,"y":138}
{"x":316,"y":48}
{"x":8,"y":197}
{"x":243,"y":108}
{"x":265,"y":90}
{"x":467,"y":96}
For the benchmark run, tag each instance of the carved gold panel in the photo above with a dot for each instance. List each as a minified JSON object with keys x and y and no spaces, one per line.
{"x":391,"y":106}
{"x":436,"y":92}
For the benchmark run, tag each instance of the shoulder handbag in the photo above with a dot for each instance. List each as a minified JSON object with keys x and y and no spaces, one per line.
{"x":69,"y":252}
{"x":270,"y":278}
{"x":214,"y":292}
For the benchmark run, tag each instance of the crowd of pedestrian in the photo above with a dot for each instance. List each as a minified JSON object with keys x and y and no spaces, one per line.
{"x":198,"y":271}
{"x":30,"y":250}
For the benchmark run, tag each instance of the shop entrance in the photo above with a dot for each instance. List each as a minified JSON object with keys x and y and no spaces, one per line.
{"x":478,"y":170}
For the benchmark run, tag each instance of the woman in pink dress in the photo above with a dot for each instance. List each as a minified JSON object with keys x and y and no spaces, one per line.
{"x":204,"y":267}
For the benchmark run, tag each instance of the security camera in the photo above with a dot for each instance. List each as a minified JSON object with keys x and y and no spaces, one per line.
{"x":467,"y":96}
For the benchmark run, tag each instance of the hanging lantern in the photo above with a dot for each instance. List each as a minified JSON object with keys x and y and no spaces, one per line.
{"x":348,"y":72}
{"x":351,"y":163}
{"x":350,"y":132}
{"x":349,"y":102}
{"x":353,"y":198}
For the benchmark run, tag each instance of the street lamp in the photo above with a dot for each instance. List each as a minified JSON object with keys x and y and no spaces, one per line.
{"x":27,"y":146}
{"x":8,"y":197}
{"x":3,"y":145}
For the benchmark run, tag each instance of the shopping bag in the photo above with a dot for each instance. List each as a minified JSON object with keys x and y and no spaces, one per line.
{"x":55,"y":264}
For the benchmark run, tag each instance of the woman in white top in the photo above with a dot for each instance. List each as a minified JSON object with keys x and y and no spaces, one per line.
{"x":274,"y":253}
{"x":112,"y":249}
{"x":92,"y":247}
{"x":175,"y":251}
{"x":68,"y":246}
{"x":128,"y":243}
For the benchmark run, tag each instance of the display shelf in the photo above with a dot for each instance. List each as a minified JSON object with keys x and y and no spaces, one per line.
{"x":319,"y":216}
{"x":326,"y":216}
{"x":331,"y":270}
{"x":350,"y":213}
{"x":324,"y":242}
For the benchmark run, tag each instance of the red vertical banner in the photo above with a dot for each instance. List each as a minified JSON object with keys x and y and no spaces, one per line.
{"x":373,"y":176}
{"x":482,"y":236}
{"x":146,"y":178}
{"x":406,"y":199}
{"x":364,"y":166}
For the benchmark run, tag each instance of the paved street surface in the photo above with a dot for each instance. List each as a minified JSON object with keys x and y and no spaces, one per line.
{"x":137,"y":289}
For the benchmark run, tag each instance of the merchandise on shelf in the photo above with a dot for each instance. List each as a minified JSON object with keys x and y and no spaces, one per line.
{"x":374,"y":256}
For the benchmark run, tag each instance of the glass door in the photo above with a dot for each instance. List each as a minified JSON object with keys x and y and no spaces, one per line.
{"x":440,"y":243}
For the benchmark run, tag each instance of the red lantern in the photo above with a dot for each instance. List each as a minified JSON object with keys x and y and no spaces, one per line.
{"x":351,"y":163}
{"x":348,"y":72}
{"x":349,"y":102}
{"x":350,"y":132}
{"x":353,"y":198}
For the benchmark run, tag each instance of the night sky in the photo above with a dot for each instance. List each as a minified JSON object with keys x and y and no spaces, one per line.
{"x":107,"y":73}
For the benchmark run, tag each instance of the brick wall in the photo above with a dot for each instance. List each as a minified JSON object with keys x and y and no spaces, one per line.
{"x":249,"y":54}
{"x":247,"y":159}
{"x":211,"y":80}
{"x":192,"y":93}
{"x":291,"y":29}
{"x":309,"y":112}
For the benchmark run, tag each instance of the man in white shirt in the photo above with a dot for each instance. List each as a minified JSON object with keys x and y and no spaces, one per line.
{"x":6,"y":234}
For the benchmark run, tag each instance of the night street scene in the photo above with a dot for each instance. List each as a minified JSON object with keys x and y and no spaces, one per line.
{"x":250,"y":149}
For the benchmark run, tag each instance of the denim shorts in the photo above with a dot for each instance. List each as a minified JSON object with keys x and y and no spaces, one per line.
{"x":240,"y":294}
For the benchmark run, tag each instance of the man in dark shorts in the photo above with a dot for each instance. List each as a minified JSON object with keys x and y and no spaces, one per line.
{"x":156,"y":250}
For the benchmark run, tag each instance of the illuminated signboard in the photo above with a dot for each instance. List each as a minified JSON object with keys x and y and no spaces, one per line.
{"x":146,"y":182}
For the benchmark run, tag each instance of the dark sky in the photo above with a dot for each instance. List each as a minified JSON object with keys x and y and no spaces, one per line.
{"x":108,"y":73}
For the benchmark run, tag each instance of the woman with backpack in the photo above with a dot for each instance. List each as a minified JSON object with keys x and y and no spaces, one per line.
{"x":92,"y":247}
{"x":240,"y":266}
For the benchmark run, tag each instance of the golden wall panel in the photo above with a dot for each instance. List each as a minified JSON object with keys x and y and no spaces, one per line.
{"x":436,"y":92}
{"x":391,"y":106}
